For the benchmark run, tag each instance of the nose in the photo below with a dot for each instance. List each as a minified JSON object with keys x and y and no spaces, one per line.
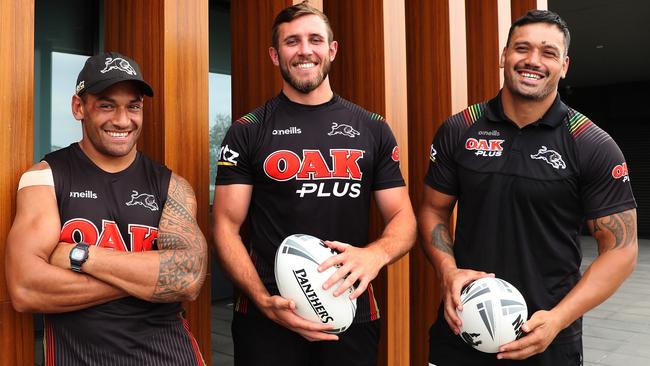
{"x":304,"y":48}
{"x":534,"y":58}
{"x":121,"y":118}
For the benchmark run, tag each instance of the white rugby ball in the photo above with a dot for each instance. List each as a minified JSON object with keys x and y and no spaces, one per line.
{"x":493,"y":313}
{"x":298,"y":279}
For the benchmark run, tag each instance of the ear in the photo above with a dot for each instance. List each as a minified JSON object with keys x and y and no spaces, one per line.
{"x":502,"y":59}
{"x":77,"y":107}
{"x":273,"y":53}
{"x":565,"y":66}
{"x":334,"y":47}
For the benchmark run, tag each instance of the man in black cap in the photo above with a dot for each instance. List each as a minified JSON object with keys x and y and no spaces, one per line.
{"x":105,"y":240}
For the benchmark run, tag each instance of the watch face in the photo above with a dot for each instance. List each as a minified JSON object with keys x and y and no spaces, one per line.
{"x":77,"y":254}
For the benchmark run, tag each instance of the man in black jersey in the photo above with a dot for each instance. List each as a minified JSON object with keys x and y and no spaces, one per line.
{"x":526,"y":171}
{"x":105,"y":240}
{"x":308,"y":162}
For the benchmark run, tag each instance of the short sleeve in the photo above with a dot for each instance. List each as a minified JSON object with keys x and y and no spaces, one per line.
{"x":233,"y":158}
{"x":442,"y":173}
{"x":605,"y":182}
{"x":387,"y":172}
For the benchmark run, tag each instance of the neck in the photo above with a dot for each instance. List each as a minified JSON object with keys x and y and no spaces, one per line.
{"x":109,"y":164}
{"x":523,"y":111}
{"x":322,"y":94}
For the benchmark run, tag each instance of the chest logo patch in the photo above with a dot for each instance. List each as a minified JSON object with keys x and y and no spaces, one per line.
{"x":143,"y":199}
{"x":343,"y":129}
{"x":432,"y":154}
{"x":484,"y":147}
{"x":552,"y":157}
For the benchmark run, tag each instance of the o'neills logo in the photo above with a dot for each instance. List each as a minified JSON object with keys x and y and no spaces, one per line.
{"x":310,"y":294}
{"x":85,"y":194}
{"x":289,"y":131}
{"x":483,"y":147}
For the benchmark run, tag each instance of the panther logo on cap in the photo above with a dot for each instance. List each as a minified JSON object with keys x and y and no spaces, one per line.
{"x":119,"y":64}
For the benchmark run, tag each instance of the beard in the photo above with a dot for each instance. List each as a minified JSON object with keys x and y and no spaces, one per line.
{"x":306,"y":86}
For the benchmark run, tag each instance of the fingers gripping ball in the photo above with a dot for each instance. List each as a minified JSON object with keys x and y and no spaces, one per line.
{"x":298,"y":279}
{"x":493,"y":313}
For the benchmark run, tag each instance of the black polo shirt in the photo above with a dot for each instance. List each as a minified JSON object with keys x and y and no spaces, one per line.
{"x":523,"y":194}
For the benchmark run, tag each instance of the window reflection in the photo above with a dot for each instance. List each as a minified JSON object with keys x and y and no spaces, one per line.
{"x":65,"y":129}
{"x":220,"y":119}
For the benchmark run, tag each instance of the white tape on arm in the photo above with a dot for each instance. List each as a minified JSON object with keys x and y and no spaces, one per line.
{"x":36,"y":178}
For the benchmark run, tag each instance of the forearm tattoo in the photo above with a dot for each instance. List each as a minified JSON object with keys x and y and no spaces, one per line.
{"x":620,"y":226}
{"x":181,"y":245}
{"x":441,"y":239}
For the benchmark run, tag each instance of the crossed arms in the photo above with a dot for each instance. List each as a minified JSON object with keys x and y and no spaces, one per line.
{"x":38,"y":268}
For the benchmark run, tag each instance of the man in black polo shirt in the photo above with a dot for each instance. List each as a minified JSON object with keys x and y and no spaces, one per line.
{"x":526,"y":171}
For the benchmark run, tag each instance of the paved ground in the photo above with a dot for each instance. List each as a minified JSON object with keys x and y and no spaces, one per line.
{"x":617,"y":333}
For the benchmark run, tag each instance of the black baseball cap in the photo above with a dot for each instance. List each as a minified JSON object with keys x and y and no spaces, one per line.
{"x":105,"y":70}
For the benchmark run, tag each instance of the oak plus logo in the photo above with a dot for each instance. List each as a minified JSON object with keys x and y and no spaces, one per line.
{"x":339,"y":178}
{"x":80,"y":230}
{"x":343,"y":129}
{"x":552,"y":157}
{"x":143,"y":199}
{"x":620,"y":172}
{"x":118,"y":63}
{"x":484,"y":147}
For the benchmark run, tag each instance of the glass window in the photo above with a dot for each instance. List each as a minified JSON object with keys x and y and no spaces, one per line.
{"x":220,"y":119}
{"x":64,"y":128}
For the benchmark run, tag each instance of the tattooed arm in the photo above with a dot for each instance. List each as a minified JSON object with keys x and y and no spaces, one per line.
{"x":616,"y":235}
{"x":173,"y":273}
{"x":433,"y":221}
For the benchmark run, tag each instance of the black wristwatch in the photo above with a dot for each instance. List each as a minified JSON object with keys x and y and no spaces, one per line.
{"x":78,"y":256}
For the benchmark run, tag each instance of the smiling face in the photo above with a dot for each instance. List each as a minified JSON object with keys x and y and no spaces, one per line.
{"x":304,"y":53}
{"x":111,"y":120}
{"x":534,"y":61}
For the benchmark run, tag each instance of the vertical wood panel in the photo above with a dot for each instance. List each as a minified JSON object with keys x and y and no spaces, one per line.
{"x":483,"y":80}
{"x":169,"y":39}
{"x":16,"y":145}
{"x":370,"y":70}
{"x":519,"y":8}
{"x":397,"y":274}
{"x":429,"y":101}
{"x":254,"y":78}
{"x":136,"y":29}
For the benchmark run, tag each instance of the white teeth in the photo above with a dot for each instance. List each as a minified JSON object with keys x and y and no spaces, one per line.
{"x":306,"y":66}
{"x":117,"y":134}
{"x":530,"y":76}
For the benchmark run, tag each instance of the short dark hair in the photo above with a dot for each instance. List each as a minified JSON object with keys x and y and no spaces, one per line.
{"x":296,"y":11}
{"x":543,"y":16}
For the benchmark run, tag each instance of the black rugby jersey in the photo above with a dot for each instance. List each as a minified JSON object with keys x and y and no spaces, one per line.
{"x":120,"y":211}
{"x":523,"y":195}
{"x":313,"y":169}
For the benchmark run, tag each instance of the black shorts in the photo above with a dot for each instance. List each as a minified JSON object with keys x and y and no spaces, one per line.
{"x":260,"y":341}
{"x":452,"y":351}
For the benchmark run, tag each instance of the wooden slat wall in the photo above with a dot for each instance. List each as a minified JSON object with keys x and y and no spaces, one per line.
{"x":16,"y":146}
{"x":370,"y":70}
{"x":483,"y":80}
{"x":254,"y":78}
{"x":429,"y":103}
{"x":169,"y":40}
{"x":521,"y":7}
